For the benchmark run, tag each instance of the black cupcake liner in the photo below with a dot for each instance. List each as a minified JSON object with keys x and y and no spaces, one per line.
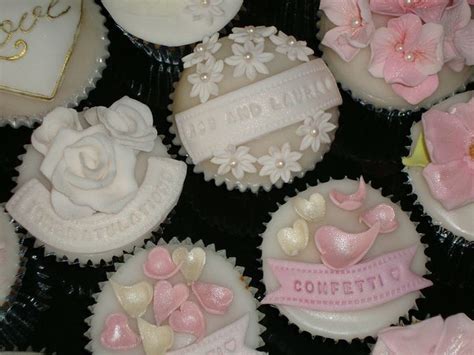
{"x":283,"y":335}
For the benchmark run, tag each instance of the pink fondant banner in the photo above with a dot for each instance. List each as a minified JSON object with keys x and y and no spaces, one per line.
{"x":228,"y":340}
{"x":365,"y":285}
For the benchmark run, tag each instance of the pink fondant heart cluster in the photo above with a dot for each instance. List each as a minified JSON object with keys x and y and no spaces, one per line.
{"x":340,"y":249}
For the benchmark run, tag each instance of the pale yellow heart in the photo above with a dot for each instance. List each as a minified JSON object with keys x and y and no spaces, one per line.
{"x":134,"y":299}
{"x":294,"y":240}
{"x":192,"y":262}
{"x":311,"y":210}
{"x":156,"y":340}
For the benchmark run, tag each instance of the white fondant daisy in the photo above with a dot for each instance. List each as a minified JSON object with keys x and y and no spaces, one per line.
{"x":204,"y":9}
{"x":238,"y":160}
{"x":280,"y":163}
{"x":203,"y":51}
{"x":249,"y":59}
{"x":315,"y":131}
{"x":293,"y":48}
{"x":205,"y":79}
{"x":251,"y":33}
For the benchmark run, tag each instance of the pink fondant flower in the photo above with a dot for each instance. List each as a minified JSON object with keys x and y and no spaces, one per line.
{"x":408,"y":54}
{"x":354,"y":26}
{"x":450,"y":143}
{"x":428,"y":10}
{"x":458,"y":35}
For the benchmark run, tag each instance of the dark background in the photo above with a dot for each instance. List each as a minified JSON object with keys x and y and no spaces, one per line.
{"x":368,"y":143}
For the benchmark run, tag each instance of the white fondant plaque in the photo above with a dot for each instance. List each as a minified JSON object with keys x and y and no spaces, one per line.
{"x":156,"y":197}
{"x":36,"y":41}
{"x":258,"y":109}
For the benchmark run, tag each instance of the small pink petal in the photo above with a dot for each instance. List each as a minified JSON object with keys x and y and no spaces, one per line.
{"x":431,"y":10}
{"x":117,"y":334}
{"x":214,"y":299}
{"x":387,"y":7}
{"x":340,"y":249}
{"x":452,"y":184}
{"x":349,"y":202}
{"x":381,"y":48}
{"x":159,"y":264}
{"x":189,"y":319}
{"x":167,"y":298}
{"x":464,"y":42}
{"x":407,"y":29}
{"x":464,"y":113}
{"x":415,"y":95}
{"x":340,"y":12}
{"x":398,"y":71}
{"x":457,"y":337}
{"x":383,"y":214}
{"x":429,"y":51}
{"x":336,"y":39}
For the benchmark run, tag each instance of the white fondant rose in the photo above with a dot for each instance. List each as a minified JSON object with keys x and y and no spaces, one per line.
{"x":89,"y":172}
{"x":53,"y":122}
{"x":129,"y":121}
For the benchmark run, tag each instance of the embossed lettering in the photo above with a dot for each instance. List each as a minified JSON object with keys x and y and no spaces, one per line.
{"x":347,"y":287}
{"x":309,"y":286}
{"x":322,"y":288}
{"x":297,"y":285}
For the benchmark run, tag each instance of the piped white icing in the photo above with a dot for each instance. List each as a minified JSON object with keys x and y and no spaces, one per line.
{"x":9,"y":256}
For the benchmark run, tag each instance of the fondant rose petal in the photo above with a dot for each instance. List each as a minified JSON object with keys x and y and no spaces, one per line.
{"x":340,"y":249}
{"x":414,"y":95}
{"x":159,"y":264}
{"x":156,"y":340}
{"x":214,"y":299}
{"x":446,"y":136}
{"x":418,"y":338}
{"x":117,"y":334}
{"x":349,"y":202}
{"x":383,"y":214}
{"x":189,"y":319}
{"x":336,"y":39}
{"x":457,"y":337}
{"x":167,"y":298}
{"x":133,"y":299}
{"x":452,"y":184}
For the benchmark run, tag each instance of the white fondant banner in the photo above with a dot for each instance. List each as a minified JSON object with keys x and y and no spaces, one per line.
{"x":228,"y":340}
{"x":156,"y":197}
{"x":258,"y":109}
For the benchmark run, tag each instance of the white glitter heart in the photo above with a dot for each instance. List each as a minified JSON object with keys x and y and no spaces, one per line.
{"x":156,"y":340}
{"x":191,"y":262}
{"x":294,"y":240}
{"x":133,"y":299}
{"x":312,"y":209}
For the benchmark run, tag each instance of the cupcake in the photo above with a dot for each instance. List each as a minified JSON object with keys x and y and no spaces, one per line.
{"x":454,"y":335}
{"x":398,"y":55}
{"x":96,"y":183}
{"x":341,"y":261}
{"x":255,"y":109}
{"x":165,"y":27}
{"x":52,"y":54}
{"x":175,"y":298}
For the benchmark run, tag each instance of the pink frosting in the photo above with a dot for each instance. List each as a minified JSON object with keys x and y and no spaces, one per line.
{"x":349,"y":202}
{"x":455,"y":336}
{"x":340,"y":249}
{"x":354,"y":26}
{"x":458,"y":35}
{"x":383,"y":214}
{"x":117,"y":334}
{"x":450,"y":143}
{"x":159,"y":264}
{"x":167,"y":298}
{"x":428,"y":10}
{"x":408,"y":54}
{"x":214,"y":299}
{"x":188,"y":319}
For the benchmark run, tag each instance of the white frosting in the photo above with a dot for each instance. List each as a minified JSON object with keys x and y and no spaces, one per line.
{"x":217,"y":270}
{"x":355,"y":76}
{"x":9,"y":256}
{"x":260,"y":146}
{"x":48,"y":45}
{"x":343,"y":325}
{"x":83,"y":70}
{"x":167,"y":22}
{"x":458,"y":221}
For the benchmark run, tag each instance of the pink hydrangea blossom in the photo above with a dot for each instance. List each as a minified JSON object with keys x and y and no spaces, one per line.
{"x":450,"y":142}
{"x":354,"y":26}
{"x":428,"y":10}
{"x":458,"y":35}
{"x":408,"y":55}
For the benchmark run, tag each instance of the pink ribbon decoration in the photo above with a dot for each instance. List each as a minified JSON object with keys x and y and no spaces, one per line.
{"x":455,"y":336}
{"x":228,"y":340}
{"x":362,"y":286}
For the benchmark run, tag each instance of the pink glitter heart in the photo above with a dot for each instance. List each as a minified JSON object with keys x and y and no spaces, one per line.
{"x":167,"y":298}
{"x":117,"y":334}
{"x":214,"y":299}
{"x":382,"y":213}
{"x":159,"y":264}
{"x":189,"y":319}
